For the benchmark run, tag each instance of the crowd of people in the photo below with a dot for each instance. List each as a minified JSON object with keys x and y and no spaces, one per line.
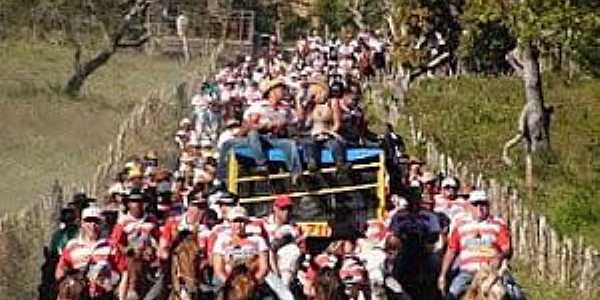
{"x":436,"y":235}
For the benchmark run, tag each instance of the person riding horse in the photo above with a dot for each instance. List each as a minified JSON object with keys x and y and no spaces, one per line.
{"x":481,"y":241}
{"x":90,"y":256}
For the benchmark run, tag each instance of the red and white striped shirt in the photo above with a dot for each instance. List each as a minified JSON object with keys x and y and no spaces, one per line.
{"x":479,"y":242}
{"x":133,"y":232}
{"x":78,"y":253}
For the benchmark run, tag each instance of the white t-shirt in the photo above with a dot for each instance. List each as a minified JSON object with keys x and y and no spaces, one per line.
{"x":242,"y":252}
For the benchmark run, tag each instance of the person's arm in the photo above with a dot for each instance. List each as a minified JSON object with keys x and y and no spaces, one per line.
{"x":337,"y":115}
{"x":219,"y":267}
{"x":63,"y":265}
{"x":263,"y":266}
{"x":446,"y":263}
{"x":451,"y":252}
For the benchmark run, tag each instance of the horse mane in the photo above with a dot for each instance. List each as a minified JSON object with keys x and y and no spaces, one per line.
{"x":179,"y":239}
{"x":240,"y":284}
{"x":76,"y":290}
{"x":328,"y":285}
{"x":484,"y":286}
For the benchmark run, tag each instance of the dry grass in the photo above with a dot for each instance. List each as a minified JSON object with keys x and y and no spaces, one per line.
{"x":45,"y":135}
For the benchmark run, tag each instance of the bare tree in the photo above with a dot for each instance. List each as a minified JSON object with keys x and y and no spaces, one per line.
{"x":112,"y":41}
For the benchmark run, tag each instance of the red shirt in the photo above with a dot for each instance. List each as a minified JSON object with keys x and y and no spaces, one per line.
{"x":132,"y":232}
{"x":479,"y":242}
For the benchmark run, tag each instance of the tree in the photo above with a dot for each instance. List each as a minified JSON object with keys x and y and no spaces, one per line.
{"x":534,"y":24}
{"x":115,"y":27}
{"x":424,"y":34}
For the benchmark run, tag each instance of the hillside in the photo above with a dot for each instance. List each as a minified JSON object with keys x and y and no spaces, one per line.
{"x":472,"y":118}
{"x":46,"y":135}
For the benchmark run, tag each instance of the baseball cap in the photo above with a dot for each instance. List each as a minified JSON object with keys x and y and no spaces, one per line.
{"x":428,"y":177}
{"x":478,"y":196}
{"x":91,"y":212}
{"x":237,"y":212}
{"x":450,"y":182}
{"x":283,"y":201}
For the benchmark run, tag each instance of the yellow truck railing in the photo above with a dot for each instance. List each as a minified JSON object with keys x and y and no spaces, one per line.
{"x":320,"y":229}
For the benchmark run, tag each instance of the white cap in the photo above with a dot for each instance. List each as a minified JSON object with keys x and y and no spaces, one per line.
{"x":237,"y":212}
{"x":185,"y":121}
{"x":478,"y":196}
{"x":449,"y":181}
{"x":91,"y":212}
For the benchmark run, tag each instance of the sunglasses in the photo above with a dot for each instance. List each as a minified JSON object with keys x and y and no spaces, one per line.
{"x":481,"y":203}
{"x":239,"y":220}
{"x":92,"y":220}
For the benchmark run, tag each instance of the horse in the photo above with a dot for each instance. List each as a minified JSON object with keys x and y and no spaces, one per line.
{"x":73,"y":286}
{"x":240,"y":285}
{"x":138,"y":275}
{"x":487,"y":285}
{"x":184,"y":262}
{"x":329,"y":286}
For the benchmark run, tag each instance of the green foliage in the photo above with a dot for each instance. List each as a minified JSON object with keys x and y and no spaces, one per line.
{"x":472,"y":117}
{"x":333,"y":13}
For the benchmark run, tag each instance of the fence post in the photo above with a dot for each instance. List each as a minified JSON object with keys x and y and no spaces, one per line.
{"x":542,"y":250}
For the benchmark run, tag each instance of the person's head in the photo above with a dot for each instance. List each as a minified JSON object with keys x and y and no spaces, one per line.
{"x":91,"y":220}
{"x":318,"y":91}
{"x":198,"y":205}
{"x":450,"y":188}
{"x":226,"y":201}
{"x":135,"y":178}
{"x":238,"y":218}
{"x":274,"y":91}
{"x":211,"y":218}
{"x":429,"y":182}
{"x":480,"y":202}
{"x":282,"y":209}
{"x":135,"y":204}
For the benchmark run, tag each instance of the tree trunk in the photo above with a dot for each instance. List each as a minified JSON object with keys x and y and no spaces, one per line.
{"x":82,"y":72}
{"x":537,"y":124}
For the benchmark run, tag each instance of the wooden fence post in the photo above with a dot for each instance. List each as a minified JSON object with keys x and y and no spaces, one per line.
{"x":542,"y":250}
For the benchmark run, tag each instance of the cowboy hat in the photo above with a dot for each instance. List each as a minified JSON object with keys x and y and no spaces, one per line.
{"x":267,"y":85}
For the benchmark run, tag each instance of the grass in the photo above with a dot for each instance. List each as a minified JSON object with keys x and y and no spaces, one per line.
{"x":45,"y":135}
{"x":472,"y":117}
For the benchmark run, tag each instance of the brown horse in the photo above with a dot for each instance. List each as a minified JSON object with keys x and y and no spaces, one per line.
{"x":73,"y":287}
{"x":328,"y":285}
{"x":137,"y":276}
{"x":240,"y":285}
{"x":184,"y":265}
{"x":487,"y":285}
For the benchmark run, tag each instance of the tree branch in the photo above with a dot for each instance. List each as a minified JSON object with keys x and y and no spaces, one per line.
{"x":432,"y":64}
{"x":357,"y":15}
{"x":511,"y":143}
{"x":512,"y":58}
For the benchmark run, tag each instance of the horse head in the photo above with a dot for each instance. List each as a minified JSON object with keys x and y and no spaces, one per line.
{"x":487,"y":285}
{"x":329,"y":286}
{"x":240,"y":285}
{"x":72,"y":287}
{"x":184,"y":260}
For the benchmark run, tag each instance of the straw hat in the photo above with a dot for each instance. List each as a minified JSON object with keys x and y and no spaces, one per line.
{"x":267,"y":85}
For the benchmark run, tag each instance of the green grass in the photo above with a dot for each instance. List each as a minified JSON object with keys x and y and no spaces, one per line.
{"x":45,"y":135}
{"x":472,"y":117}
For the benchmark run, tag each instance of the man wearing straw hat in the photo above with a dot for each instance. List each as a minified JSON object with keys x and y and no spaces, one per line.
{"x":265,"y":124}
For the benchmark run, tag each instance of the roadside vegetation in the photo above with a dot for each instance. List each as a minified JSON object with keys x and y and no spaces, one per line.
{"x":47,"y":135}
{"x":470,"y":118}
